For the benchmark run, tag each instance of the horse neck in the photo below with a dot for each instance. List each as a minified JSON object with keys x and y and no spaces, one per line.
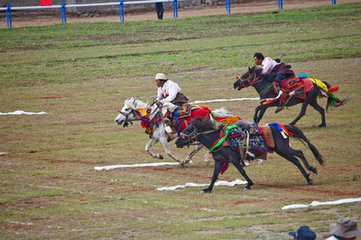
{"x":209,"y":139}
{"x":261,"y":85}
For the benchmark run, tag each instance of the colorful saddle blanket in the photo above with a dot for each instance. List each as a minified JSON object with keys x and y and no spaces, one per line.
{"x":183,"y":111}
{"x":294,"y":84}
{"x":257,"y":141}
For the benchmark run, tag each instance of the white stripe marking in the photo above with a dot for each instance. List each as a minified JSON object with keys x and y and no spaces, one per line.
{"x":218,"y":183}
{"x":315,"y":203}
{"x":226,"y":100}
{"x":111,"y":167}
{"x":21,"y":112}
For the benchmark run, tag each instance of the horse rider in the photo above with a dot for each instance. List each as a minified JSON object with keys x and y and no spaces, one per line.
{"x":169,"y":95}
{"x":274,"y":70}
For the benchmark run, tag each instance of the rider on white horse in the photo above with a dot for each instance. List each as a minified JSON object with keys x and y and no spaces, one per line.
{"x":169,"y":96}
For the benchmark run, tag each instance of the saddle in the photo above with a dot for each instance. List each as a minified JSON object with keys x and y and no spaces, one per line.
{"x":183,"y":111}
{"x":294,"y":84}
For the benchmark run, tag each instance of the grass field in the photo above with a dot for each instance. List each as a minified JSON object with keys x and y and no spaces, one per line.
{"x":80,"y":73}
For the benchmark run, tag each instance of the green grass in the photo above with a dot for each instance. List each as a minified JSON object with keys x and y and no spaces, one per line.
{"x":113,"y":50}
{"x":80,"y":73}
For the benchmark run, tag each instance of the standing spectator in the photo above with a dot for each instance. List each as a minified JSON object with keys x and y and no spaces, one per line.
{"x":303,"y":233}
{"x":345,"y":229}
{"x":160,"y":10}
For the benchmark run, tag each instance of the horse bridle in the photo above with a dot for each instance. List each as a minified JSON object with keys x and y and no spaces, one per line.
{"x":248,"y":82}
{"x":194,"y":134}
{"x":126,"y":115}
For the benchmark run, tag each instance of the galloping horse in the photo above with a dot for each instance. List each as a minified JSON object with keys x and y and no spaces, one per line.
{"x":204,"y":132}
{"x":269,"y":96}
{"x":151,"y":118}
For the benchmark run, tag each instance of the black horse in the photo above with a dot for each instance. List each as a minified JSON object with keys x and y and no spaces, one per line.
{"x":203,"y":131}
{"x":265,"y":88}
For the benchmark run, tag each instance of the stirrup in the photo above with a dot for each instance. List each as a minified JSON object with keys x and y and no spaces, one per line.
{"x":279,"y":109}
{"x":167,"y":122}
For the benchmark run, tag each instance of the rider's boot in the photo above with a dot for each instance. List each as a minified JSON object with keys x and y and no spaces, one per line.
{"x":168,"y":125}
{"x":284,"y":101}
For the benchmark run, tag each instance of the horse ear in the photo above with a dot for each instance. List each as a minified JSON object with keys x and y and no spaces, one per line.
{"x":249,"y":69}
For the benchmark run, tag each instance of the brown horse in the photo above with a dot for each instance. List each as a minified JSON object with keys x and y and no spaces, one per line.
{"x":269,"y":96}
{"x":204,"y":132}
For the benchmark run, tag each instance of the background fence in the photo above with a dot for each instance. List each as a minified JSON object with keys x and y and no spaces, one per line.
{"x":62,"y":7}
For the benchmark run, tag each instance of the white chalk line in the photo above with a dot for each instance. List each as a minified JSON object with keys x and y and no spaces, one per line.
{"x":226,"y":100}
{"x":218,"y":183}
{"x":316,"y":203}
{"x":111,"y":167}
{"x":21,"y":112}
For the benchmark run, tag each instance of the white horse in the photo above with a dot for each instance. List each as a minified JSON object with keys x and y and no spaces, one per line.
{"x":152,"y":118}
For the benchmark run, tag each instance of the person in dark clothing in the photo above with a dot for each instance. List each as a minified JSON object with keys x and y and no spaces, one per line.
{"x":275,"y":70}
{"x":160,"y":10}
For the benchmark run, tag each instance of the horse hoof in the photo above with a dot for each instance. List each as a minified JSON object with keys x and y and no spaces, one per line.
{"x":160,"y":156}
{"x":247,"y":189}
{"x":322,"y":125}
{"x":182,"y":163}
{"x":313,"y":169}
{"x":310,"y":182}
{"x":205,"y":191}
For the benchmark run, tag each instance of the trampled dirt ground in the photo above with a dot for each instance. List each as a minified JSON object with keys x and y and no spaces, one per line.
{"x":247,"y":7}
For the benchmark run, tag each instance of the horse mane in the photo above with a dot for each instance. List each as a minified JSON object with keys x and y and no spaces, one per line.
{"x":203,"y":124}
{"x":222,"y":112}
{"x":135,"y":103}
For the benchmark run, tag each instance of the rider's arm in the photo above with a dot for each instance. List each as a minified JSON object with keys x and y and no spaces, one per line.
{"x":159,"y":94}
{"x":267,"y":65}
{"x":172,"y":89}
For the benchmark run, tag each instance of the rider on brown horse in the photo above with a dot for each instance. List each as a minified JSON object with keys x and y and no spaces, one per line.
{"x":279,"y":72}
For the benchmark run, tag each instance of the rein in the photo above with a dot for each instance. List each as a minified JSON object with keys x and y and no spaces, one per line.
{"x":255,"y":80}
{"x":266,"y":89}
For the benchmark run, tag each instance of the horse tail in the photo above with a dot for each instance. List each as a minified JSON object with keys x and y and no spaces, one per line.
{"x":332,"y":99}
{"x":222,"y":115}
{"x":297,"y":133}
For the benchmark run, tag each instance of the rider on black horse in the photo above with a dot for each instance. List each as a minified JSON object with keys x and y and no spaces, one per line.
{"x":277,"y":71}
{"x":169,"y":96}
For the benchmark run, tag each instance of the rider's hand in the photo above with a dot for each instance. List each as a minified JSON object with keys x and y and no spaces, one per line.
{"x":258,"y":67}
{"x":158,"y":103}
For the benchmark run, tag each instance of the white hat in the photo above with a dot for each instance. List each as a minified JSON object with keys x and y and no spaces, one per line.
{"x":160,"y":76}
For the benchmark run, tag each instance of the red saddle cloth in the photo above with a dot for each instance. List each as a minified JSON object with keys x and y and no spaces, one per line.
{"x":301,"y":86}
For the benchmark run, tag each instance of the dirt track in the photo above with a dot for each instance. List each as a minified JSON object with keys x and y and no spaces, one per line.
{"x":250,"y":7}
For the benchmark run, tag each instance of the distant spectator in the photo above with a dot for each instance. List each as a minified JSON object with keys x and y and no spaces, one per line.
{"x":345,"y":229}
{"x":303,"y":233}
{"x":160,"y":10}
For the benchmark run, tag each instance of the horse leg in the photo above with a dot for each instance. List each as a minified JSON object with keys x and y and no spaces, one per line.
{"x":165,"y":144}
{"x":219,"y":161}
{"x":207,"y":160}
{"x":148,"y":147}
{"x":191,"y":154}
{"x":290,"y":157}
{"x":237,"y":164}
{"x":259,"y":112}
{"x":302,"y":112}
{"x":300,"y":154}
{"x":321,"y":110}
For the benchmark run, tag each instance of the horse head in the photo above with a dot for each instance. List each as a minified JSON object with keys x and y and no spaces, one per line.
{"x":189,"y":135}
{"x":247,"y":79}
{"x":133,"y":109}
